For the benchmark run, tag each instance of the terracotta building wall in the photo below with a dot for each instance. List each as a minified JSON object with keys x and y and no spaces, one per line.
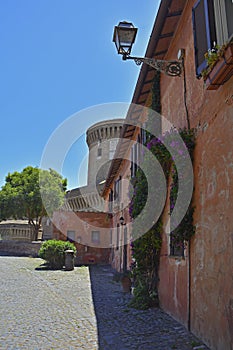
{"x":83,"y":223}
{"x":173,"y":278}
{"x":212,"y":248}
{"x":211,"y":282}
{"x":174,"y":272}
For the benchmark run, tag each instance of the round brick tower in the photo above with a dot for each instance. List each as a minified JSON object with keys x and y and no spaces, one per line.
{"x":102,"y":139}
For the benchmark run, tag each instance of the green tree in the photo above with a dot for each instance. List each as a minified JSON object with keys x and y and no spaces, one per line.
{"x":32,"y":194}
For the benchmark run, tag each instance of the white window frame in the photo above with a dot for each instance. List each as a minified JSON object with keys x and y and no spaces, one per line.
{"x":217,"y":21}
{"x":221,"y":22}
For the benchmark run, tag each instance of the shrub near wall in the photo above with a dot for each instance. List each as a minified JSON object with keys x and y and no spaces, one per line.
{"x":53,"y":252}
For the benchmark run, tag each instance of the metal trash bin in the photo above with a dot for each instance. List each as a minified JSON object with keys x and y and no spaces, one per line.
{"x":69,"y":260}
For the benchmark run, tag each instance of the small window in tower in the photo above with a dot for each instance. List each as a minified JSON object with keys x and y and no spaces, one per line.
{"x":99,"y":152}
{"x":112,"y":148}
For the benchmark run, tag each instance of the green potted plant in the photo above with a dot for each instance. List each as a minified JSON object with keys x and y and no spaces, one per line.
{"x":220,"y":66}
{"x":126,"y":282}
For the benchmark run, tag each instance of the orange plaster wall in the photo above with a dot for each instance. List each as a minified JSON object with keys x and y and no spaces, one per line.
{"x":173,"y":283}
{"x":83,"y":223}
{"x":212,"y":248}
{"x":211,"y":258}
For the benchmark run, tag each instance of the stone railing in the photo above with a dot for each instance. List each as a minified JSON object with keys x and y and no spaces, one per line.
{"x":23,"y":234}
{"x":81,"y":200}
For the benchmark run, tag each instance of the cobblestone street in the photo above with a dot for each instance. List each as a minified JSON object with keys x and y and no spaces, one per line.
{"x":79,"y":309}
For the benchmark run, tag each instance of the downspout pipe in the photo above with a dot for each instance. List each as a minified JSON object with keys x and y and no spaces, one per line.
{"x":189,"y":285}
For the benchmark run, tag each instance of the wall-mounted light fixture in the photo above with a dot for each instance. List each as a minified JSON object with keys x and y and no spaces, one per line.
{"x":122,"y":221}
{"x":124,"y":37}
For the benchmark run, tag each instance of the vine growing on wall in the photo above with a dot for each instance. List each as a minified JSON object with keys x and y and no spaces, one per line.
{"x":146,"y":247}
{"x":185,"y":230}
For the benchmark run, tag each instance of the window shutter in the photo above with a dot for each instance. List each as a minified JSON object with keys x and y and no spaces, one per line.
{"x":229,"y":16}
{"x":118,"y":237}
{"x":115,"y":191}
{"x":200,"y":35}
{"x":204,"y":31}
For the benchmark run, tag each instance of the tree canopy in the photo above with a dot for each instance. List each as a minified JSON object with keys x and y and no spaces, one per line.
{"x":32,"y":194}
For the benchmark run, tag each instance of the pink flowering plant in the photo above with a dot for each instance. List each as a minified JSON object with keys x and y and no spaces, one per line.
{"x":146,"y":247}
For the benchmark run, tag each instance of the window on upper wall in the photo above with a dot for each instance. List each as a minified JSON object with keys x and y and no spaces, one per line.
{"x":176,"y":249}
{"x":95,"y":237}
{"x":139,"y":148}
{"x":99,"y":152}
{"x":112,"y":148}
{"x":212,"y":25}
{"x":223,"y":10}
{"x":70,"y":236}
{"x":110,"y":234}
{"x":134,"y":159}
{"x":117,"y":189}
{"x":143,"y":134}
{"x":110,"y":201}
{"x":176,"y":242}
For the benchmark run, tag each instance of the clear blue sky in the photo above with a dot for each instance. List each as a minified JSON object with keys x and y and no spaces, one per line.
{"x":57,"y":58}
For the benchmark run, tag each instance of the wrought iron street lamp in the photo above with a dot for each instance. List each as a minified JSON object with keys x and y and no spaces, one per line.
{"x":124,"y":37}
{"x":122,"y":221}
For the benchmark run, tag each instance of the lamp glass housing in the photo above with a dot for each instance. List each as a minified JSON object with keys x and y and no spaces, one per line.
{"x":122,"y":220}
{"x":124,"y":37}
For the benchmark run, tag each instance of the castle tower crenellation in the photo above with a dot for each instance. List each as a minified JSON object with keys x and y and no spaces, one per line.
{"x":104,"y":131}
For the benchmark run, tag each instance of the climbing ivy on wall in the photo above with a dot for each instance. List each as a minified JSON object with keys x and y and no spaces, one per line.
{"x":146,"y":246}
{"x":185,"y":230}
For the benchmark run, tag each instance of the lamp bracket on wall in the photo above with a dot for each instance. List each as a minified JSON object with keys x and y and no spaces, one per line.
{"x":170,"y":68}
{"x":124,"y":37}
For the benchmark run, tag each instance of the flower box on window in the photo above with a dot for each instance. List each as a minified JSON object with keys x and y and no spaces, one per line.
{"x":222,"y":71}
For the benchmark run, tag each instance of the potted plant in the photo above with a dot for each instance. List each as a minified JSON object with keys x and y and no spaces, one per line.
{"x":220,"y":66}
{"x":126,"y":282}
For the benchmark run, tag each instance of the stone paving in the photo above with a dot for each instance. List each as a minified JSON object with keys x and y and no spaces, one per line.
{"x":80,"y":309}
